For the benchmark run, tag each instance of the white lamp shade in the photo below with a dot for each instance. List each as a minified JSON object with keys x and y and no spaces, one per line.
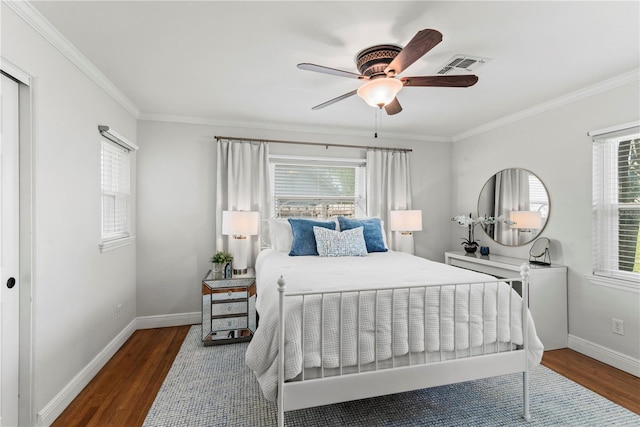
{"x":406,"y":220}
{"x":239,"y":223}
{"x":529,"y":220}
{"x":380,"y":92}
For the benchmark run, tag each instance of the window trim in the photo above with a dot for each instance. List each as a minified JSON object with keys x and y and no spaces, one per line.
{"x":116,"y":241}
{"x":620,"y":281}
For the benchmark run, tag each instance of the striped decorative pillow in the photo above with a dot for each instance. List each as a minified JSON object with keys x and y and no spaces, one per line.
{"x":331,"y":243}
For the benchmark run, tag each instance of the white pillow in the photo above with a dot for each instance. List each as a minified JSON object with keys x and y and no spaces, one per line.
{"x":331,"y":243}
{"x":280,"y":235}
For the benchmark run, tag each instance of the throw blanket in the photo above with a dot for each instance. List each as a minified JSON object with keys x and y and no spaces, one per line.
{"x":483,"y":312}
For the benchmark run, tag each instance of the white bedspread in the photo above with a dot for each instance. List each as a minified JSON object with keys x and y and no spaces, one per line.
{"x":378,"y":271}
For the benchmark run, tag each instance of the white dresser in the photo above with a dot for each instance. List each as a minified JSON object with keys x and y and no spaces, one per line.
{"x":547,"y":291}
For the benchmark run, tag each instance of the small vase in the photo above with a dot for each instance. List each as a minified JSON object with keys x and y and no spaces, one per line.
{"x":218,"y":268}
{"x":470,"y":249}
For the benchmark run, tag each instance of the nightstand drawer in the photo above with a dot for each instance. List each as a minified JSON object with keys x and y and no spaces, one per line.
{"x":229,"y":323}
{"x":221,"y":309}
{"x":231,"y":294}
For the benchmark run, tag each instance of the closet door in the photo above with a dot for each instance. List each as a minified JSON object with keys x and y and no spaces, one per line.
{"x":9,"y":252}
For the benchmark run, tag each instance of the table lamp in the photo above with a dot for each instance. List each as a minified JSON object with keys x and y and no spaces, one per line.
{"x":526,"y":222}
{"x":406,"y":222}
{"x":239,"y":224}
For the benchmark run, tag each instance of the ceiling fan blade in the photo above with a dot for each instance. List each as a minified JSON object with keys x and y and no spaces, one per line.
{"x":326,"y":70}
{"x":334,"y":100}
{"x":420,"y":44}
{"x":441,"y":81}
{"x":393,"y":107}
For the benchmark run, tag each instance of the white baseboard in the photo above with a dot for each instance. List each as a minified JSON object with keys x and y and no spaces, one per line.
{"x":54,"y":408}
{"x":605,"y":355}
{"x":167,"y":320}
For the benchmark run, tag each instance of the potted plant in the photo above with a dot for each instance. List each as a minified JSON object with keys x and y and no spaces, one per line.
{"x":220,"y":260}
{"x":470,"y":244}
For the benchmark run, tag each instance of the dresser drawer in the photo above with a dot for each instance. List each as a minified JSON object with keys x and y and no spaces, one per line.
{"x":496,"y":271}
{"x":221,"y":309}
{"x":229,"y":323}
{"x":235,"y":294}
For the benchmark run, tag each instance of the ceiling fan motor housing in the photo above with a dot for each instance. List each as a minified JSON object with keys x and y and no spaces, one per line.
{"x":372,"y":61}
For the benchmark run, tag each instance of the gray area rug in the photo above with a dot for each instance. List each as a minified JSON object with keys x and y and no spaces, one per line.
{"x":211,"y":386}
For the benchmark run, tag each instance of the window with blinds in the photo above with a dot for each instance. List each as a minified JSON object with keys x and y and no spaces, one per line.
{"x":616,"y":204}
{"x":314,"y":188}
{"x":116,"y":190}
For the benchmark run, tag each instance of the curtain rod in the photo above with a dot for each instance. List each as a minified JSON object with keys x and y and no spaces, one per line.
{"x":318,"y":144}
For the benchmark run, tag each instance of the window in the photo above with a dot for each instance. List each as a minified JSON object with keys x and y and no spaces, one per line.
{"x":616,"y":203}
{"x":116,"y":190}
{"x":318,"y":188}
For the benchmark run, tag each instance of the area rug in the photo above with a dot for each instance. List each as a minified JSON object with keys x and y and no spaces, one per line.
{"x":211,"y":386}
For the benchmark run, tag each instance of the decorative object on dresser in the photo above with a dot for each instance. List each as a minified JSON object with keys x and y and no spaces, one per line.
{"x":539,"y":252}
{"x":228,"y":308}
{"x":547,"y":297}
{"x":406,"y":222}
{"x":222,"y":264}
{"x":239,"y":224}
{"x":470,"y":244}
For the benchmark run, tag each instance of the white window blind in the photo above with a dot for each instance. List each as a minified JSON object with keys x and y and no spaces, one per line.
{"x":116,"y":190}
{"x":318,"y":188}
{"x":616,"y":204}
{"x":538,"y":199}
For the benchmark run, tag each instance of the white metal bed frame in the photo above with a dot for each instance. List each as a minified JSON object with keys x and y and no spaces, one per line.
{"x":305,"y":393}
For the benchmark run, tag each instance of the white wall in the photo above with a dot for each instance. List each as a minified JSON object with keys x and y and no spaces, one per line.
{"x":554,"y":145}
{"x":176,"y":205}
{"x":75,"y":288}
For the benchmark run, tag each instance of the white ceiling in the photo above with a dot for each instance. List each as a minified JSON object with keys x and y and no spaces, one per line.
{"x":234,"y":63}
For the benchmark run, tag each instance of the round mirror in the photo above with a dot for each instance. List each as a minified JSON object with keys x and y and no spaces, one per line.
{"x":520,"y":200}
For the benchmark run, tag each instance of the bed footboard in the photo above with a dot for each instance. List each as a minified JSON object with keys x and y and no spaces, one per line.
{"x":361,"y":343}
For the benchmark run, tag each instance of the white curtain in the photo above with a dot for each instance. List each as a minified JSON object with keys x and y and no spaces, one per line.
{"x":388,"y":187}
{"x":512,"y":194}
{"x":242,"y":185}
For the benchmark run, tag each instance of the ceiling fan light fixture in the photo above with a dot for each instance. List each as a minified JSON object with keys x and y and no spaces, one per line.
{"x":380,"y":92}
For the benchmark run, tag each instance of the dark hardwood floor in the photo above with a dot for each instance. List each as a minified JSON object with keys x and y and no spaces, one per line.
{"x":123,"y":391}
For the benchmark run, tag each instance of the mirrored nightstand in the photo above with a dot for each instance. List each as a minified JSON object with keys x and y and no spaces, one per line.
{"x":228,"y":308}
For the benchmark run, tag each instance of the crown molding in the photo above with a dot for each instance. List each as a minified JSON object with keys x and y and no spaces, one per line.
{"x":595,"y":89}
{"x":26,"y":11}
{"x":288,"y":127}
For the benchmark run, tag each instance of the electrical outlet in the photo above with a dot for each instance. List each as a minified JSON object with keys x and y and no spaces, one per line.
{"x":119,"y":308}
{"x":617,"y":326}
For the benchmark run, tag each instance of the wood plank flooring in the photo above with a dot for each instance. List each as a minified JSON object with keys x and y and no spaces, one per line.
{"x":614,"y":384}
{"x":123,"y":391}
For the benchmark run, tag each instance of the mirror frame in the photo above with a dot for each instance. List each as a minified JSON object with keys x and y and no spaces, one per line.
{"x":484,"y":195}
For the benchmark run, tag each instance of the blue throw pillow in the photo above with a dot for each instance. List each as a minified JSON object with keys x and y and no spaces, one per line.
{"x":304,"y":241}
{"x":372,"y":231}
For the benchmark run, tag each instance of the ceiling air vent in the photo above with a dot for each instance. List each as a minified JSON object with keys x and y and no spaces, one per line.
{"x":462,"y":64}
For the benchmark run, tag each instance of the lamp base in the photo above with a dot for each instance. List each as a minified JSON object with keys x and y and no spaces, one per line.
{"x":406,"y":242}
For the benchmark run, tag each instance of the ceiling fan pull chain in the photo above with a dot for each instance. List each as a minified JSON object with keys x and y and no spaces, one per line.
{"x":375,"y":122}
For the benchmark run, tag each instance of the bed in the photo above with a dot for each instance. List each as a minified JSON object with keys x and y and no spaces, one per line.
{"x":334,"y":329}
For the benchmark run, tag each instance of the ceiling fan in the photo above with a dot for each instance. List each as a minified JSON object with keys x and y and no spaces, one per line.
{"x":380,"y":65}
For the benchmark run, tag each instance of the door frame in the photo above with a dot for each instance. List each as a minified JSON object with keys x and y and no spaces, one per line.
{"x":26,"y":414}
